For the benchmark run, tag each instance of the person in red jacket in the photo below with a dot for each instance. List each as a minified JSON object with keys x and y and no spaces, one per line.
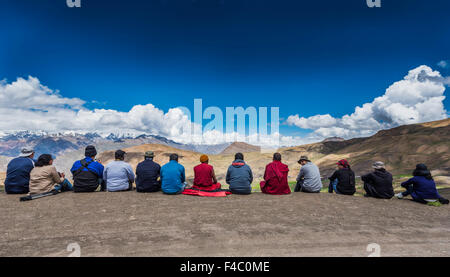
{"x":276,"y":177}
{"x":205,"y":178}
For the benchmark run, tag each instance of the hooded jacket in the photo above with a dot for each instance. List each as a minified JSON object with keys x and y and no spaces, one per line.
{"x":240,"y":177}
{"x":381,"y":181}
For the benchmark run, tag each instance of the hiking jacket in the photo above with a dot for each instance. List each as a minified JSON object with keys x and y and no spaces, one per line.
{"x":310,"y":174}
{"x":44,"y":179}
{"x":87,"y":179}
{"x":118,"y":175}
{"x":381,"y":181}
{"x":240,"y":177}
{"x":423,"y":188}
{"x":147,"y":174}
{"x":346,"y":181}
{"x":18,"y":175}
{"x":173,"y":176}
{"x":275,"y":179}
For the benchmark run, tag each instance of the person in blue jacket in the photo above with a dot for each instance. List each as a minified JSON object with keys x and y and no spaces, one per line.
{"x":422,"y":187}
{"x":18,"y":172}
{"x":173,"y":176}
{"x":239,"y":176}
{"x":88,"y":173}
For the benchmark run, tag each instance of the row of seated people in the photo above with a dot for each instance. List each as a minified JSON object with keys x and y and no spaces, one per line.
{"x":25,"y":175}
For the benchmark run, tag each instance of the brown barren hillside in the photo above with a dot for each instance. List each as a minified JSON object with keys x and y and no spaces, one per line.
{"x":241,"y":147}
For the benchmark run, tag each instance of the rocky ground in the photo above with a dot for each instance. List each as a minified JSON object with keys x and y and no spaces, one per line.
{"x":132,"y":224}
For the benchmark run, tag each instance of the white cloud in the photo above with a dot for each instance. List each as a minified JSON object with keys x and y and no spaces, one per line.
{"x":26,"y":104}
{"x":443,"y":64}
{"x":419,"y":97}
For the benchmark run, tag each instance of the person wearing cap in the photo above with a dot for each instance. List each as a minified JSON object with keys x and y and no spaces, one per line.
{"x":422,"y":187}
{"x":204,"y":176}
{"x":45,"y":178}
{"x":88,"y":173}
{"x":308,"y":179}
{"x":343,"y":180}
{"x":378,"y":184}
{"x":173,"y":176}
{"x":147,"y":174}
{"x":239,"y":176}
{"x":276,"y":177}
{"x":18,"y":172}
{"x":118,"y":175}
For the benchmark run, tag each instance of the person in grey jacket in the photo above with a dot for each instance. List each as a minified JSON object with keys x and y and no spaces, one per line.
{"x":308,"y":179}
{"x":240,"y":176}
{"x":119,"y":175}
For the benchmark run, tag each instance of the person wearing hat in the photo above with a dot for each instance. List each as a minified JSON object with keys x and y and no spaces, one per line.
{"x":45,"y":178}
{"x":204,"y":176}
{"x":378,"y":184}
{"x":308,"y":179}
{"x":118,"y":175}
{"x":343,"y":180}
{"x":422,"y":187}
{"x":148,"y":174}
{"x":173,"y":176}
{"x":88,"y":173}
{"x":18,"y":172}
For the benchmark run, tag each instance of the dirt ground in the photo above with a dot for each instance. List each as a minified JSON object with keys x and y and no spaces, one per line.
{"x":132,"y":224}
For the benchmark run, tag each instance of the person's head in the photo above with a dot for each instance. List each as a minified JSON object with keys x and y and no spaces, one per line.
{"x":303,"y":160}
{"x":343,"y":164}
{"x":90,"y":151}
{"x":44,"y":160}
{"x":119,"y":155}
{"x":149,"y":155}
{"x":204,"y":159}
{"x":378,"y":166}
{"x":239,"y":156}
{"x":173,"y":157}
{"x":422,"y":170}
{"x":277,"y":157}
{"x":27,"y":152}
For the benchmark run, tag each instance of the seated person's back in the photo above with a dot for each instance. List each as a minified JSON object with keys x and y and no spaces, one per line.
{"x":45,"y":178}
{"x":118,"y":175}
{"x":147,"y":174}
{"x":87,"y":173}
{"x":275,"y":177}
{"x":239,"y":176}
{"x":18,"y":173}
{"x":204,"y":176}
{"x":173,"y":176}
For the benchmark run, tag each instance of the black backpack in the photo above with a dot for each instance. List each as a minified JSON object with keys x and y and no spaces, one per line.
{"x":85,"y":180}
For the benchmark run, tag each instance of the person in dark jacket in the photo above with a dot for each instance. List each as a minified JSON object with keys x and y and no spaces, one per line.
{"x":343,"y":180}
{"x":88,"y":173}
{"x":378,"y":184}
{"x":239,"y":176}
{"x":18,"y":173}
{"x":148,"y":174}
{"x":422,"y":187}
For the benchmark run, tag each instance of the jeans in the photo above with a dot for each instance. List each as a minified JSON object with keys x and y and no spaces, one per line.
{"x":178,"y":192}
{"x":333,"y":186}
{"x":409,"y":190}
{"x":300,"y":188}
{"x":64,"y":186}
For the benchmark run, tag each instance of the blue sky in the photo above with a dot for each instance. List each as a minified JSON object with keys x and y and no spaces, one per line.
{"x":307,"y":57}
